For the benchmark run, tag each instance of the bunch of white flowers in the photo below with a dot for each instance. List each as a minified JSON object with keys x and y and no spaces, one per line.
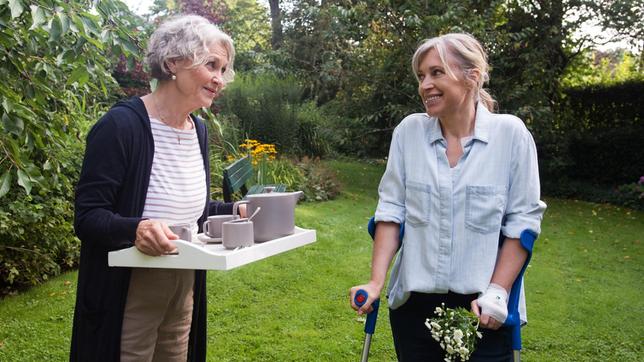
{"x":455,"y":330}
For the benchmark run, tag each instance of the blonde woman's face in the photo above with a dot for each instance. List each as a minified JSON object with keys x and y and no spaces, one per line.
{"x":442,"y":95}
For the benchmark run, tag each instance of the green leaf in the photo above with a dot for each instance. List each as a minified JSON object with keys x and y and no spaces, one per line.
{"x":91,"y":25}
{"x":93,"y":41}
{"x":79,"y":23}
{"x":5,"y":183}
{"x":7,"y":105}
{"x":16,"y":8}
{"x":14,"y":151}
{"x":79,"y":75}
{"x":13,"y":124}
{"x":55,"y":29}
{"x":129,"y":46}
{"x":24,"y":181}
{"x":64,"y":22}
{"x":37,"y":16}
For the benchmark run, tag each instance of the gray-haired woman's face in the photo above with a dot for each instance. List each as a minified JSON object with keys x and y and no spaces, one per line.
{"x":201,"y":85}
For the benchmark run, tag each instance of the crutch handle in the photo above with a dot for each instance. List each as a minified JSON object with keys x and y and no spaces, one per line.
{"x":360,"y":299}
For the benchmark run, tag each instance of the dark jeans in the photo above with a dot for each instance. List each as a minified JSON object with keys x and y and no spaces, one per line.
{"x":414,"y":342}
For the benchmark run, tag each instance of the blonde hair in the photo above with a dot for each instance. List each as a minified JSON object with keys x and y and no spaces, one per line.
{"x":186,"y":37}
{"x":469,"y":55}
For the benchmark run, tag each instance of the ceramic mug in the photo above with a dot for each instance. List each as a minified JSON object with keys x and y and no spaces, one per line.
{"x":237,"y":233}
{"x":183,"y":230}
{"x":212,"y":226}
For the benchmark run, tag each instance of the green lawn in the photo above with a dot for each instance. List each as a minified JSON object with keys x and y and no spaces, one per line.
{"x":583,"y":286}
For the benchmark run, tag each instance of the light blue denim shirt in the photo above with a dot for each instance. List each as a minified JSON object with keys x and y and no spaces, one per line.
{"x":453,"y":216}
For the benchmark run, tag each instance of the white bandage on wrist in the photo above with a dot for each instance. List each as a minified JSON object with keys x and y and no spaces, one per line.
{"x":494,"y":302}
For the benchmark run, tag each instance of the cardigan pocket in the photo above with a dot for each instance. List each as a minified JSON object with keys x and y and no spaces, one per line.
{"x":417,"y":202}
{"x":484,"y":206}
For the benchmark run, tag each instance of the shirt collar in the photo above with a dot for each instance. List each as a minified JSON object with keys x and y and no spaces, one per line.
{"x":481,"y":126}
{"x":435,"y":133}
{"x":482,"y":123}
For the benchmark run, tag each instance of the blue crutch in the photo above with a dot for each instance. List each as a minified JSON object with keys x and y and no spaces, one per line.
{"x":361,"y":298}
{"x":370,"y":326}
{"x":513,"y":321}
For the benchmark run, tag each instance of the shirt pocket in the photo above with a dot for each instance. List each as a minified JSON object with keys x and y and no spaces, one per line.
{"x":417,"y":202}
{"x":484,"y":207}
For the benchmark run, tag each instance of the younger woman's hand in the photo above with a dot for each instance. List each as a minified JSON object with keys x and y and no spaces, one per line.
{"x":374,"y":293}
{"x":153,"y":238}
{"x":491,"y":307}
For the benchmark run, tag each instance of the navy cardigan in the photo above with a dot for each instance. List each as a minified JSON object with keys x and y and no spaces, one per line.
{"x":110,"y":197}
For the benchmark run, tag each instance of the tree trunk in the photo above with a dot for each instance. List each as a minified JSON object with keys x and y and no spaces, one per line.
{"x":276,"y":24}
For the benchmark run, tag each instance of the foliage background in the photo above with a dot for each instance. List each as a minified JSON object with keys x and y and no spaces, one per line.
{"x":56,"y":60}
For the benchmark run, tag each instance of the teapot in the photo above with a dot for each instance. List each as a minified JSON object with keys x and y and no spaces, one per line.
{"x":277,"y":218}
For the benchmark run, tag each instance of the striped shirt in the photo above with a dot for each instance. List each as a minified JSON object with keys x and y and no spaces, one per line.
{"x":177,"y":190}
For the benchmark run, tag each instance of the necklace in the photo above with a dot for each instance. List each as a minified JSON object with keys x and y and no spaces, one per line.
{"x":165,"y":121}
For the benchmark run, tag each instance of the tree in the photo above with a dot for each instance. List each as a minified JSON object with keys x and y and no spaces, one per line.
{"x":357,"y":53}
{"x":213,"y":10}
{"x":248,"y":24}
{"x":276,"y":24}
{"x":55,"y":62}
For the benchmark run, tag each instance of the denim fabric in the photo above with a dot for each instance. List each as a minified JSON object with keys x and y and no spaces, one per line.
{"x":453,"y":216}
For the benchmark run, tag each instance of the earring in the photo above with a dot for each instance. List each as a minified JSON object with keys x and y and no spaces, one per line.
{"x":174,"y":77}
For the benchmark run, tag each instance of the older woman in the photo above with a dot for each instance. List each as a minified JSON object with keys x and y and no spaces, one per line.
{"x":145,"y":168}
{"x":457,"y":176}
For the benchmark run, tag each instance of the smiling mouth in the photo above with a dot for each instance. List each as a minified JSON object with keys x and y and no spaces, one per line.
{"x":210,"y":90}
{"x":431,"y":99}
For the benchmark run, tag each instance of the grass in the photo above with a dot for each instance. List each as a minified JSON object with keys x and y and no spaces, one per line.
{"x":583,"y":285}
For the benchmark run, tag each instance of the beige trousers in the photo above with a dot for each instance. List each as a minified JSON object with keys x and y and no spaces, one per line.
{"x":158,"y":314}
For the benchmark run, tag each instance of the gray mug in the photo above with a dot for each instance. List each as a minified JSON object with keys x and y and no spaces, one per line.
{"x":183,"y":230}
{"x":237,"y":233}
{"x":212,"y":226}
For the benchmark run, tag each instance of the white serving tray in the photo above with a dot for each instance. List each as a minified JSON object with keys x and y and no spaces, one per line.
{"x":210,"y":256}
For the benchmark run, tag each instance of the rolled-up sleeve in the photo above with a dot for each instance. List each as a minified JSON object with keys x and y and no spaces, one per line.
{"x":391,"y":191}
{"x":524,"y":208}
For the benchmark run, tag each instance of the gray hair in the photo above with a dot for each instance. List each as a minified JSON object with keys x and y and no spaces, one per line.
{"x":186,"y":37}
{"x":469,"y":55}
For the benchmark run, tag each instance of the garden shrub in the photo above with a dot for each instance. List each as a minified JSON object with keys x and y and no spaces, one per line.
{"x":593,"y":149}
{"x":223,"y":141}
{"x":57,"y":59}
{"x":630,"y":195}
{"x":610,"y":157}
{"x":321,"y":182}
{"x":598,"y":135}
{"x":315,"y":132}
{"x":602,"y":106}
{"x":266,"y":108}
{"x":37,"y":240}
{"x":36,"y":230}
{"x":310,"y":176}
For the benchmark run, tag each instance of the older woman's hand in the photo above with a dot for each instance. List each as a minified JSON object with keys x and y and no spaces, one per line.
{"x":242,"y":211}
{"x":153,"y":238}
